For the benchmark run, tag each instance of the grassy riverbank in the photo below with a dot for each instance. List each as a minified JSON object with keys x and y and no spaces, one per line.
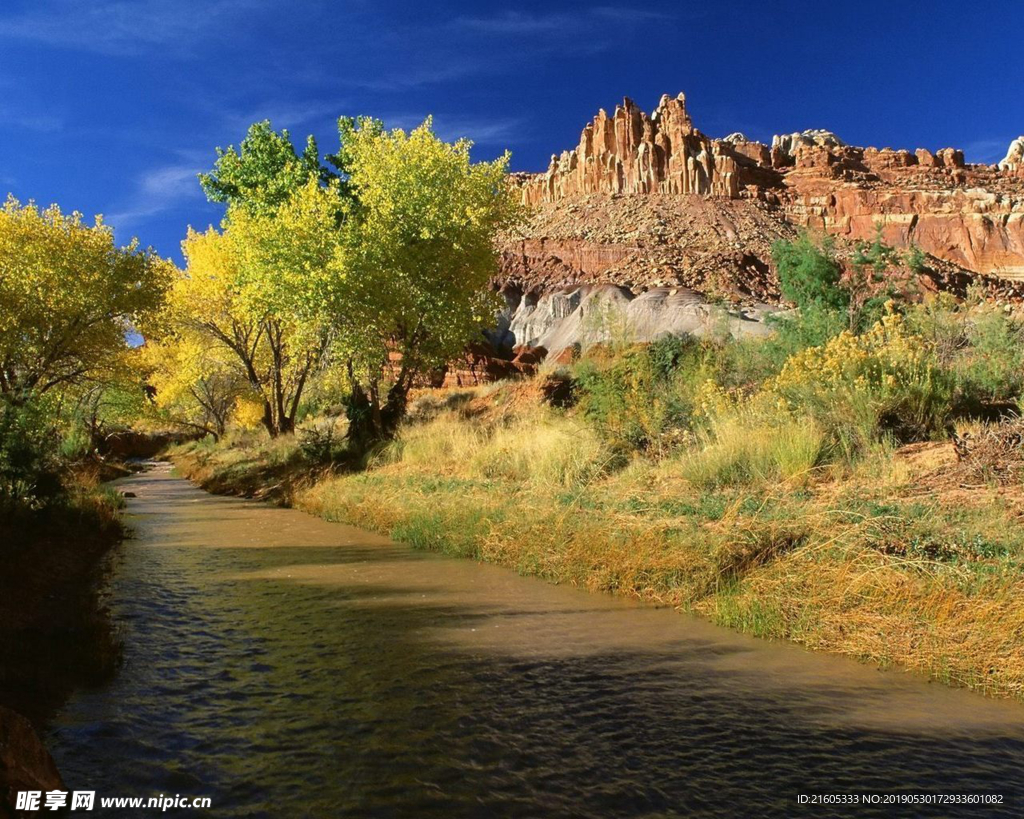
{"x":889,"y":560}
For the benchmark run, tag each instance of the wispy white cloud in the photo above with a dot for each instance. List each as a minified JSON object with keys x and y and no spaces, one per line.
{"x":559,"y":23}
{"x":987,"y":151}
{"x":122,"y":27}
{"x":158,"y":190}
{"x":29,"y":120}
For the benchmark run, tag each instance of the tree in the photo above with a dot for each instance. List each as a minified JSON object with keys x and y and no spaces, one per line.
{"x":68,"y":297}
{"x":264,"y":171}
{"x":261,"y":277}
{"x":111,"y":400}
{"x":809,"y":274}
{"x":417,"y":252}
{"x":810,"y":277}
{"x":879,"y":273}
{"x":195,"y":384}
{"x":256,"y":291}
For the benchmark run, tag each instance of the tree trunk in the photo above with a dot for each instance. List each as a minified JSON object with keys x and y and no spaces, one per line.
{"x":361,"y":432}
{"x":369,"y":423}
{"x":394,"y":411}
{"x":268,"y":419}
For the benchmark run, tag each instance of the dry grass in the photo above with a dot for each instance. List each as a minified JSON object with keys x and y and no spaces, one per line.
{"x":536,"y":448}
{"x":740,"y":450}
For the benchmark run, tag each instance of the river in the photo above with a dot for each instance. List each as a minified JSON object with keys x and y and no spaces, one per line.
{"x":285,"y":666}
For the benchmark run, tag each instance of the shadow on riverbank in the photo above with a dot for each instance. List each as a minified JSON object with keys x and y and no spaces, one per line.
{"x":55,"y":632}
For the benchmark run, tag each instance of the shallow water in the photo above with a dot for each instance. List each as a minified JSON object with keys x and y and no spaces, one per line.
{"x":286,"y":666}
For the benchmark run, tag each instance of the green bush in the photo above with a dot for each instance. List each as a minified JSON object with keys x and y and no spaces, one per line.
{"x":810,"y":277}
{"x":321,"y":443}
{"x":638,"y":396}
{"x":29,"y":463}
{"x":809,"y":274}
{"x":76,"y":443}
{"x":885,"y":382}
{"x":980,"y":345}
{"x":991,"y":367}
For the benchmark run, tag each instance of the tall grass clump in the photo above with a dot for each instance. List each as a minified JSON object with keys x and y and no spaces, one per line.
{"x":445,"y":443}
{"x":531,"y":447}
{"x":547,"y":450}
{"x":738,"y":449}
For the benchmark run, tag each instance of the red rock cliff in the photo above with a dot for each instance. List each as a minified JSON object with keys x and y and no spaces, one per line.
{"x":622,"y":206}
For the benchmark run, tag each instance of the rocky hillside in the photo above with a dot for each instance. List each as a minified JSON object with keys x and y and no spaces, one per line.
{"x":650,"y":201}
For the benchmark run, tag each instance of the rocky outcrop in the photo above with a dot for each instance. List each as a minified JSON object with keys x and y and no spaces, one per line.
{"x":650,"y":201}
{"x":484,"y":364}
{"x":789,"y":144}
{"x":575,"y":318}
{"x":25,"y":764}
{"x":630,"y":152}
{"x":709,"y":244}
{"x":1014,"y":159}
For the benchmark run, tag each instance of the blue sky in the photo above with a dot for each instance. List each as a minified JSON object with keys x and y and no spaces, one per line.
{"x":113,"y":106}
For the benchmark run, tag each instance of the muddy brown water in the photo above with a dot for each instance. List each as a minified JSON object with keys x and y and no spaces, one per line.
{"x":285,"y":666}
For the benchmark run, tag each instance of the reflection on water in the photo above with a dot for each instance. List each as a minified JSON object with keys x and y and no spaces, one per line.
{"x":285,"y":666}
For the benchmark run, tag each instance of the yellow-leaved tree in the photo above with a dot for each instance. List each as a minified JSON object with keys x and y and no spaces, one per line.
{"x":196,"y":385}
{"x":251,"y":294}
{"x":410,"y":280}
{"x":244,"y":324}
{"x":68,"y":297}
{"x":382,"y":272}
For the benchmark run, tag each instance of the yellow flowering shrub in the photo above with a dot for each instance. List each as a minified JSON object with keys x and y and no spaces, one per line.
{"x":884,"y":379}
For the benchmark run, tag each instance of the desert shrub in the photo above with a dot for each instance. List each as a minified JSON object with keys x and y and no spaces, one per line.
{"x":942,"y":322}
{"x":885,"y":381}
{"x":878,"y":274}
{"x":743,"y":364}
{"x":638,"y":396}
{"x":76,"y":443}
{"x":809,"y":274}
{"x":992,"y":366}
{"x":321,"y":443}
{"x":980,"y":344}
{"x":828,"y":301}
{"x":811,"y":326}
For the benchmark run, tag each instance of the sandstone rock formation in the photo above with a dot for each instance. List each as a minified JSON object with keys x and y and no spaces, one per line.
{"x":648,"y":202}
{"x":788,"y":144}
{"x":1014,"y":160}
{"x":630,"y":152}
